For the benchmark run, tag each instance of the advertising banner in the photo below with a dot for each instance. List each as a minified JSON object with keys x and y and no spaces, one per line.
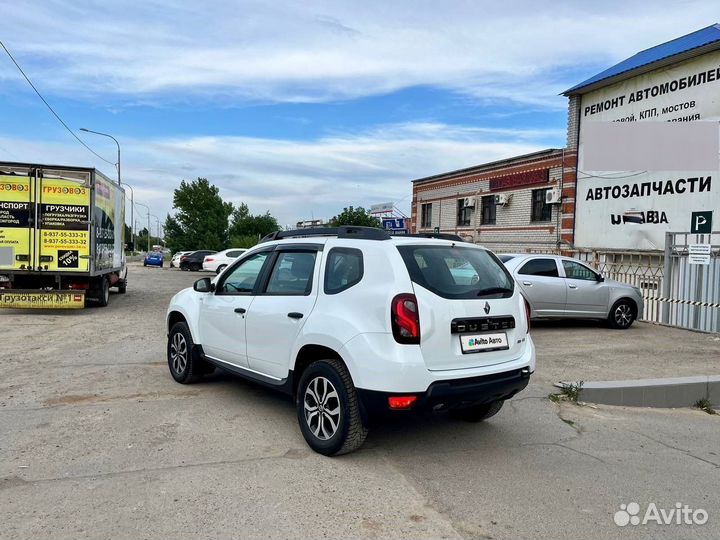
{"x":633,"y":209}
{"x":42,"y":300}
{"x":64,"y":224}
{"x":109,"y":218}
{"x":17,"y":209}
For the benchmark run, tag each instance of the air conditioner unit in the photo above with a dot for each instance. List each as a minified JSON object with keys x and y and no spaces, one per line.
{"x":468,"y":202}
{"x":502,"y":199}
{"x":553,"y":196}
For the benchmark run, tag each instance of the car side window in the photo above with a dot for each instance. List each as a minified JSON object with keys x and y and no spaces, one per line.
{"x":234,"y":254}
{"x":343,"y":269}
{"x":575,"y":270}
{"x":242,"y":278}
{"x":540,"y":267}
{"x":292,"y":273}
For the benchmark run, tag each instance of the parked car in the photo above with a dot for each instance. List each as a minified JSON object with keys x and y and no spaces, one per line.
{"x":193,"y":261}
{"x":356,"y":325}
{"x":563,"y":287}
{"x":175,"y":261}
{"x":217,"y":262}
{"x":154,"y":258}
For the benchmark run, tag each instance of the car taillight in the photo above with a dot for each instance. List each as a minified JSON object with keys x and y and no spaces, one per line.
{"x":405,"y":319}
{"x":183,"y":258}
{"x":209,"y":259}
{"x":527,"y":313}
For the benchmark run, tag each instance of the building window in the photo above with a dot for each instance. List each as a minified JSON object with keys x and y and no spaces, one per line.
{"x":426,"y":215}
{"x":488,"y":210}
{"x":540,"y":210}
{"x":463,"y":213}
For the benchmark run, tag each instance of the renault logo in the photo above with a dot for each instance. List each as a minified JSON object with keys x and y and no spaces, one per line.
{"x":487,"y":308}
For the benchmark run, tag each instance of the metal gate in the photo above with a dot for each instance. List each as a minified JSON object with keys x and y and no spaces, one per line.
{"x":691,"y":292}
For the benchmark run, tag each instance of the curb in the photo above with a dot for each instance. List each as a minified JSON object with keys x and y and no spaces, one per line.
{"x":669,"y":393}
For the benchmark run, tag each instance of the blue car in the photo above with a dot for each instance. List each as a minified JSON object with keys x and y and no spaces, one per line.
{"x":153,"y":259}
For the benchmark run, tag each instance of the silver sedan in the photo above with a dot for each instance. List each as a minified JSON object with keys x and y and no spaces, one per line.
{"x":562,"y":287}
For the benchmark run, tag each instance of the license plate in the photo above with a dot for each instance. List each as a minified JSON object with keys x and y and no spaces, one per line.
{"x":484,"y":342}
{"x":42,"y":300}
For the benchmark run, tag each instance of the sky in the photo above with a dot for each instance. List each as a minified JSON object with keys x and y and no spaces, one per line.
{"x":303,"y":108}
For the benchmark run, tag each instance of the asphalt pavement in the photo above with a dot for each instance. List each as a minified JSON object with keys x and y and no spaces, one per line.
{"x":97,"y":440}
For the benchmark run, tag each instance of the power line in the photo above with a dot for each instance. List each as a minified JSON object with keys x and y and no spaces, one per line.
{"x":51,"y":109}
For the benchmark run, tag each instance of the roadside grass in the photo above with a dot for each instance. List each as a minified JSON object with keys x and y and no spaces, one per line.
{"x":704,"y":404}
{"x":569,"y":392}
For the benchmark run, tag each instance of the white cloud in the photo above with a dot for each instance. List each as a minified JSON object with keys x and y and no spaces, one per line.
{"x":297,"y":180}
{"x":318,"y":51}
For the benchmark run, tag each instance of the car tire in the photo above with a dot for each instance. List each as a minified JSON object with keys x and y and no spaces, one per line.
{"x":477,"y":413}
{"x":184,"y":363}
{"x":314,"y":400}
{"x":622,"y":314}
{"x":184,"y":268}
{"x":103,"y":292}
{"x":220,"y":268}
{"x":194,"y":267}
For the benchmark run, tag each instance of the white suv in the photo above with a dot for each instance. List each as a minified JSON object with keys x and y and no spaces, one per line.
{"x":357,"y":324}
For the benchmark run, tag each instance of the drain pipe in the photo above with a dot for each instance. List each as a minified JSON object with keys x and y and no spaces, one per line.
{"x":560,"y":208}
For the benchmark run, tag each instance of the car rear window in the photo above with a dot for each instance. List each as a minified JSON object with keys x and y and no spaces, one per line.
{"x":456,"y":272}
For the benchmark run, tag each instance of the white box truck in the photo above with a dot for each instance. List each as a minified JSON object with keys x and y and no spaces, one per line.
{"x":61,"y":236}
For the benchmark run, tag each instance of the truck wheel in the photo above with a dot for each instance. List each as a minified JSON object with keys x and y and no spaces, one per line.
{"x":122,"y":288}
{"x":477,"y":413}
{"x":622,"y":315}
{"x":103,"y":292}
{"x":328,"y":409}
{"x":185,"y":366}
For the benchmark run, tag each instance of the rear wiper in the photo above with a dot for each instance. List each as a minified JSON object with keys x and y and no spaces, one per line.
{"x":493,"y":290}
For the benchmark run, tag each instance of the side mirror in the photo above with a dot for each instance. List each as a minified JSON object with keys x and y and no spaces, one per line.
{"x":600,"y":279}
{"x":204,"y":285}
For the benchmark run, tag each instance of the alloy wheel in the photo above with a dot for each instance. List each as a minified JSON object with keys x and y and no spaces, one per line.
{"x":623,"y":315}
{"x":178,"y":353}
{"x":322,"y":408}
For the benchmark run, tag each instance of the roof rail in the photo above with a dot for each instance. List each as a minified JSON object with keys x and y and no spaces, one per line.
{"x":439,"y":236}
{"x":344,"y":231}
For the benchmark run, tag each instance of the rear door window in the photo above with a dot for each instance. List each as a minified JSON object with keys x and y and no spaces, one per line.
{"x":540,"y":267}
{"x":292,"y":273}
{"x":456,"y":272}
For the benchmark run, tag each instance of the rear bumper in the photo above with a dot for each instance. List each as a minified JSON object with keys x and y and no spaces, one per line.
{"x":450,"y":393}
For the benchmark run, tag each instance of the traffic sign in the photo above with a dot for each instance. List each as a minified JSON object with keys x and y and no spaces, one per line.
{"x":701,"y":222}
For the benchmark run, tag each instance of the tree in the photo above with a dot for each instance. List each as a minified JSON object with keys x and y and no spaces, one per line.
{"x":201,"y":220}
{"x":355,"y":216}
{"x":246,"y":228}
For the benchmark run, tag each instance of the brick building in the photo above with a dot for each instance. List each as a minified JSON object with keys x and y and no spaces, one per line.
{"x":523,"y":203}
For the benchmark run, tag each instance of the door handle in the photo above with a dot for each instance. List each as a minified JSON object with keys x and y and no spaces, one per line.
{"x":527,"y":283}
{"x":240,"y":310}
{"x":295,"y":315}
{"x":572,"y":286}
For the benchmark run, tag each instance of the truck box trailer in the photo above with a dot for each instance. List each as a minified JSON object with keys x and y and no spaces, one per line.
{"x":61,"y":236}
